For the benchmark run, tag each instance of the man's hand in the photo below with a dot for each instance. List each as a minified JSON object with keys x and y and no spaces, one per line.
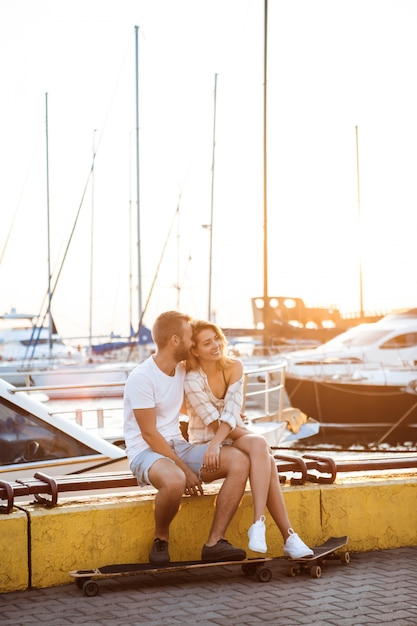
{"x":193,"y":486}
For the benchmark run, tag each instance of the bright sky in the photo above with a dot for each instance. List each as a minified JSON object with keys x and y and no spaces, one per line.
{"x":332,"y":65}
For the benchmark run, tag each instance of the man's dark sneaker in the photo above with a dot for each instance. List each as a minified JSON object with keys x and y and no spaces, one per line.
{"x":159,"y":552}
{"x":222,"y":551}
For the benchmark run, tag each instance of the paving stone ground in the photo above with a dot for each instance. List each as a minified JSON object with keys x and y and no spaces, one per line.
{"x":375,"y":588}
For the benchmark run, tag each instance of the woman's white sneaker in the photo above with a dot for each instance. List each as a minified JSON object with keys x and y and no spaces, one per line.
{"x":295,"y":548}
{"x":256,"y":534}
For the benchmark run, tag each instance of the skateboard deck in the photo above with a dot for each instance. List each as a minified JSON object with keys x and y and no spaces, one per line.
{"x":86,"y":578}
{"x":323,"y":552}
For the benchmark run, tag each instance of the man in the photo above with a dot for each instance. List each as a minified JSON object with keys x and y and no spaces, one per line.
{"x":158,"y":453}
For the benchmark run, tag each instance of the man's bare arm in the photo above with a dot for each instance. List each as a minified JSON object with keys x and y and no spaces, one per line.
{"x":146,"y":419}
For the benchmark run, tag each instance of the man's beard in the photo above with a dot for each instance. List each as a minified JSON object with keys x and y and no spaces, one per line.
{"x":181,"y":353}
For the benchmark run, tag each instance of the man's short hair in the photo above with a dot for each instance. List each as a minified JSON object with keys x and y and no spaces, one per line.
{"x":168,"y":324}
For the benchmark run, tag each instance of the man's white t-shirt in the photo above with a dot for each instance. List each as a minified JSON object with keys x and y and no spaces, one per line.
{"x":148,"y":387}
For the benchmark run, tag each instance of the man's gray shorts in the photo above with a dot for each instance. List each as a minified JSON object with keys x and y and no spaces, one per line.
{"x":191,"y":453}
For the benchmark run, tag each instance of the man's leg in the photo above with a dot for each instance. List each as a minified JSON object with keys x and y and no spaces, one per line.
{"x":234,"y":468}
{"x":169,"y":480}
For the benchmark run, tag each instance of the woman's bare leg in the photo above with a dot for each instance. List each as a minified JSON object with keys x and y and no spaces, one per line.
{"x":257,"y":449}
{"x":275,"y":502}
{"x":294,"y":547}
{"x":264,"y":480}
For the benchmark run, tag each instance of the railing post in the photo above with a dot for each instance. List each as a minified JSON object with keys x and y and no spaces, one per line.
{"x":100,"y":418}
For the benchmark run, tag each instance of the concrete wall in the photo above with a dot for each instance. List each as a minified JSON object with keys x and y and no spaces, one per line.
{"x":39,"y":546}
{"x":14,"y":550}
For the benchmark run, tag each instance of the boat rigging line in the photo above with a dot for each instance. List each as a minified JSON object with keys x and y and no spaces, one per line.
{"x":51,"y":290}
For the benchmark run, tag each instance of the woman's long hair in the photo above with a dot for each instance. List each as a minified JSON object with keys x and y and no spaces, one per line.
{"x":198,"y":326}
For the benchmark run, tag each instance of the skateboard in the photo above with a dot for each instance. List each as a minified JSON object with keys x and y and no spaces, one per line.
{"x":85,"y":579}
{"x":326,"y":551}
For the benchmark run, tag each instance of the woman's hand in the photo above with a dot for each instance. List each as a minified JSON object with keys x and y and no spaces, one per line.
{"x":211,"y":460}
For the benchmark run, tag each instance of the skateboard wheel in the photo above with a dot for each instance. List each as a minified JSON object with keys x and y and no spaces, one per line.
{"x":345,"y":558}
{"x":291,"y":570}
{"x":315,"y":571}
{"x":90,"y":588}
{"x":263,"y":575}
{"x":249,"y":569}
{"x":80,"y":582}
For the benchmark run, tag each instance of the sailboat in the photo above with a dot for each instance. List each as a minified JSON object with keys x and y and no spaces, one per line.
{"x":62,"y":372}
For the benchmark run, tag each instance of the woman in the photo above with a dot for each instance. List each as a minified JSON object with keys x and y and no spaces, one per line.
{"x":213,"y":397}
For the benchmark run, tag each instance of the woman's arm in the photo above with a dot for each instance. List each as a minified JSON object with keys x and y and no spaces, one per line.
{"x":197,"y":396}
{"x":222,"y":423}
{"x":200,"y":398}
{"x":233,"y":399}
{"x":211,"y":460}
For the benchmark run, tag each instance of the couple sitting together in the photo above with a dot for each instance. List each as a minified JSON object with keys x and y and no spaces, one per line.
{"x":191,"y":366}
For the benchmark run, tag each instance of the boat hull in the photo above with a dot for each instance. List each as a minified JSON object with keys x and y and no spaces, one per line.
{"x":358,"y":412}
{"x":90,"y":381}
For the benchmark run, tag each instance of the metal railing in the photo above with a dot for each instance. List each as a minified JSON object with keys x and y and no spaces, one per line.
{"x":301,"y":469}
{"x":265,"y":388}
{"x":264,"y":396}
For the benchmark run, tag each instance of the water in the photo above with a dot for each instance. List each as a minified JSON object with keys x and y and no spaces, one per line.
{"x":105,"y":417}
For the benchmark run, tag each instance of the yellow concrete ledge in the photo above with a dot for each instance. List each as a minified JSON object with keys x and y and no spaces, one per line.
{"x":375,"y":515}
{"x":91,"y":532}
{"x":14,"y":550}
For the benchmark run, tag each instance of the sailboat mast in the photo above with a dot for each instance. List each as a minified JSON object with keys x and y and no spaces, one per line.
{"x":212,"y":202}
{"x":92,"y":240}
{"x":48,"y":227}
{"x":137,"y":177}
{"x":130,"y":242}
{"x":359,"y":227}
{"x":266,"y":309}
{"x":178,"y":285}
